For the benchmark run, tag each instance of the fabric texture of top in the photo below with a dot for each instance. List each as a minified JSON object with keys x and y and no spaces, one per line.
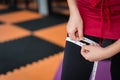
{"x":101,"y":18}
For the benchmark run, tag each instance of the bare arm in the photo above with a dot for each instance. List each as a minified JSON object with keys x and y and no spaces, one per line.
{"x":97,"y":53}
{"x":114,"y":48}
{"x":75,"y":24}
{"x":73,"y":7}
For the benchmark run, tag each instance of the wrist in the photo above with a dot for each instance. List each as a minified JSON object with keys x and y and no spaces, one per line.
{"x":76,"y":17}
{"x":109,"y":52}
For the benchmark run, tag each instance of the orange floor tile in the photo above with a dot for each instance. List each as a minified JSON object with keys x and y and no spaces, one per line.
{"x":19,"y":16}
{"x":11,"y":32}
{"x":56,"y":34}
{"x":2,"y":7}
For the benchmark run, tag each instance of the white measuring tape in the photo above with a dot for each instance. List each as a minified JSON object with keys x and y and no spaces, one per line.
{"x":81,"y":44}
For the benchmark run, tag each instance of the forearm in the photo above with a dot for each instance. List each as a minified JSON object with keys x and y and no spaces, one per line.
{"x":75,"y":22}
{"x":114,"y":48}
{"x":73,"y":7}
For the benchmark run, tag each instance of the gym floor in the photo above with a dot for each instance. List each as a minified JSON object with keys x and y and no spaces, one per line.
{"x":31,"y":44}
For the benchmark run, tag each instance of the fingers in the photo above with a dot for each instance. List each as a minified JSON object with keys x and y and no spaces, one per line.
{"x":76,"y":34}
{"x":89,"y":53}
{"x":84,"y":51}
{"x":85,"y":54}
{"x":87,"y":47}
{"x":80,"y":33}
{"x":72,"y":35}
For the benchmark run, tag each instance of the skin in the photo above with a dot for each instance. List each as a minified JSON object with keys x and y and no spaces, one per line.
{"x":97,"y":53}
{"x":75,"y":32}
{"x":75,"y":23}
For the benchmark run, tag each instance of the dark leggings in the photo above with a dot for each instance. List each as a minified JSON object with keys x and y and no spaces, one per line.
{"x":75,"y":67}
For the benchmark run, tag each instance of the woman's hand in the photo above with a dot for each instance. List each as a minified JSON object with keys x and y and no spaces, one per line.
{"x":75,"y":27}
{"x":95,"y":53}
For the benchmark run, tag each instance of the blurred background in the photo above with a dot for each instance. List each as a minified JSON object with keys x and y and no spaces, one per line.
{"x":32,"y":39}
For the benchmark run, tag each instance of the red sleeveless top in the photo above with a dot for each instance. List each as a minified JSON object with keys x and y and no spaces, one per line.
{"x":101,"y":18}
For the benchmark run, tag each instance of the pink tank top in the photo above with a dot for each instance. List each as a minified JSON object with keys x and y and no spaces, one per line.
{"x":101,"y":18}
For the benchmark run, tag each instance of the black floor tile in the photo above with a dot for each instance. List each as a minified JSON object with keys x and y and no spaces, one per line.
{"x":24,"y":51}
{"x":1,"y":22}
{"x":9,"y":10}
{"x":43,"y":22}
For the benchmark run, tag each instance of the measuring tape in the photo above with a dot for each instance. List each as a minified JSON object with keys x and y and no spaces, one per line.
{"x":84,"y":42}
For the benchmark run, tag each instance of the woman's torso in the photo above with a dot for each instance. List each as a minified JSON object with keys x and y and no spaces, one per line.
{"x":101,"y":17}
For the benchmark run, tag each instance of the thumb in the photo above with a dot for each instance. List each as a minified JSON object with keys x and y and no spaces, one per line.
{"x":87,"y":47}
